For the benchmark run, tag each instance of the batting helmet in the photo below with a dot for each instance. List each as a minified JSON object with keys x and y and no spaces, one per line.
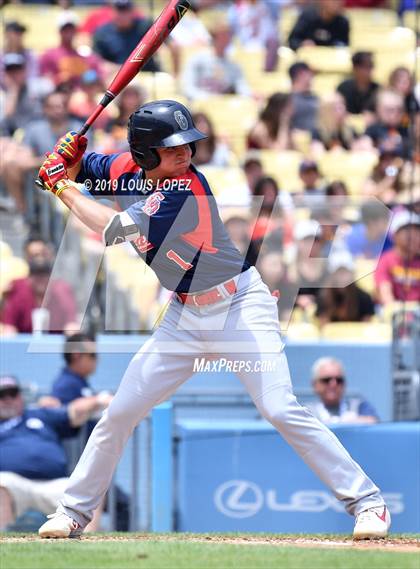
{"x":160,"y":124}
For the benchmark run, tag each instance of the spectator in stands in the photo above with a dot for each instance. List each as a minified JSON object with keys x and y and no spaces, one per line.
{"x":20,"y":95}
{"x":213,"y":73}
{"x":273,"y":272}
{"x":190,"y":32}
{"x":26,"y":309}
{"x":14,"y":43}
{"x":253,"y":169}
{"x":312,"y":193}
{"x":237,"y":226}
{"x":131,"y":98}
{"x":359,"y":92}
{"x":272,"y":197}
{"x":115,"y":40}
{"x":330,"y":235}
{"x":308,"y":269}
{"x":253,"y":25}
{"x":39,"y":137}
{"x":273,"y":129}
{"x":210,"y":151}
{"x":83,"y":101}
{"x":80,"y":356}
{"x":33,"y":464}
{"x":321,"y":24}
{"x":329,"y":384}
{"x":402,"y":81}
{"x":305,"y":103}
{"x":397,"y":276}
{"x":385,"y":182}
{"x":333,"y":131}
{"x":100,"y":15}
{"x":38,"y":249}
{"x":388,"y":132}
{"x":340,"y":301}
{"x":269,"y":225}
{"x":337,"y":198}
{"x":64,"y":64}
{"x":369,"y":238}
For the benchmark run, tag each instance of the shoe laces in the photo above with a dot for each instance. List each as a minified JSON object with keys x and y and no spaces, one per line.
{"x":367,"y":514}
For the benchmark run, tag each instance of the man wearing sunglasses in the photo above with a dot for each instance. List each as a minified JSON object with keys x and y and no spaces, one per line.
{"x":33,"y":464}
{"x":329,"y":383}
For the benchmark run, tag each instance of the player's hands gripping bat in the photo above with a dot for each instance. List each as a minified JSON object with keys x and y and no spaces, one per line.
{"x":53,"y":174}
{"x":144,"y":50}
{"x":71,"y":148}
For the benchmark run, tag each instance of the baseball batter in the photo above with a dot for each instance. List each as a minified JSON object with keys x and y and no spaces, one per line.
{"x":220,"y":308}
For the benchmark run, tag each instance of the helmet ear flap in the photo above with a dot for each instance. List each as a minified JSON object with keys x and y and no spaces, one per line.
{"x":193,"y":149}
{"x":146,"y":158}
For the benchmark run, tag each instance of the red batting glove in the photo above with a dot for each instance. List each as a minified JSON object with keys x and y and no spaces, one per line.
{"x":71,"y":148}
{"x":53,"y":174}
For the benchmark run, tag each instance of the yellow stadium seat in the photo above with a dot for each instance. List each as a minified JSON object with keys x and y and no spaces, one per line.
{"x":390,"y":309}
{"x":410,"y":20}
{"x":394,"y":40}
{"x":361,"y":19}
{"x":300,"y":331}
{"x":41,"y":22}
{"x":11,"y":268}
{"x":287,"y":20}
{"x":266,"y":84}
{"x":158,"y":85}
{"x":233,"y":116}
{"x":364,"y":274}
{"x":387,"y":61}
{"x":326,"y":83}
{"x":326,"y":59}
{"x":5,"y":251}
{"x":351,"y":167}
{"x":225,"y":181}
{"x":286,"y":57}
{"x":251,"y":61}
{"x":357,"y":122}
{"x":283,"y":167}
{"x":357,"y":332}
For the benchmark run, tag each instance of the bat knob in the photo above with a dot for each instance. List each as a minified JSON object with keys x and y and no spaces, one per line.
{"x":40,"y":183}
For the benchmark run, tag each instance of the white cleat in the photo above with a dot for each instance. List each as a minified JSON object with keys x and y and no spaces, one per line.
{"x":373,"y":523}
{"x":60,"y":525}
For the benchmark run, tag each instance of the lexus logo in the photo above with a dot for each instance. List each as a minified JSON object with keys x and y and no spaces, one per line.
{"x":239,"y":499}
{"x":244,"y":499}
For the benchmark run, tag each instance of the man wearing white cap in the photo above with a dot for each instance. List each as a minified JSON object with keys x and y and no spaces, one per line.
{"x":397,"y":276}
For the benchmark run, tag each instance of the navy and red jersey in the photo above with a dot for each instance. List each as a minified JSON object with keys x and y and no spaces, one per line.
{"x":175,"y":226}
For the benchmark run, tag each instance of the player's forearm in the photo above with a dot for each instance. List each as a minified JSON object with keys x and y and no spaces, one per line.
{"x":93,"y":214}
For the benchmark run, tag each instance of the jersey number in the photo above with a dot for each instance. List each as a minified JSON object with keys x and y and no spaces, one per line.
{"x":178,"y":260}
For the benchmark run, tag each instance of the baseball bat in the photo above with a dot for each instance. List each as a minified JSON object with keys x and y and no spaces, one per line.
{"x":147,"y":46}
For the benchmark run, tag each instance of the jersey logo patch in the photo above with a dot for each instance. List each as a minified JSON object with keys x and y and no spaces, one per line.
{"x":142,"y":244}
{"x":181,"y":119}
{"x":152,"y":203}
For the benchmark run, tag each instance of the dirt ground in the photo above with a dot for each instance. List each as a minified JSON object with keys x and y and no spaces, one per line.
{"x":391,"y":544}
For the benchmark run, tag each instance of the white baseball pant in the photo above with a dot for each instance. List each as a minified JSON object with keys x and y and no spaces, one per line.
{"x":244,"y":326}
